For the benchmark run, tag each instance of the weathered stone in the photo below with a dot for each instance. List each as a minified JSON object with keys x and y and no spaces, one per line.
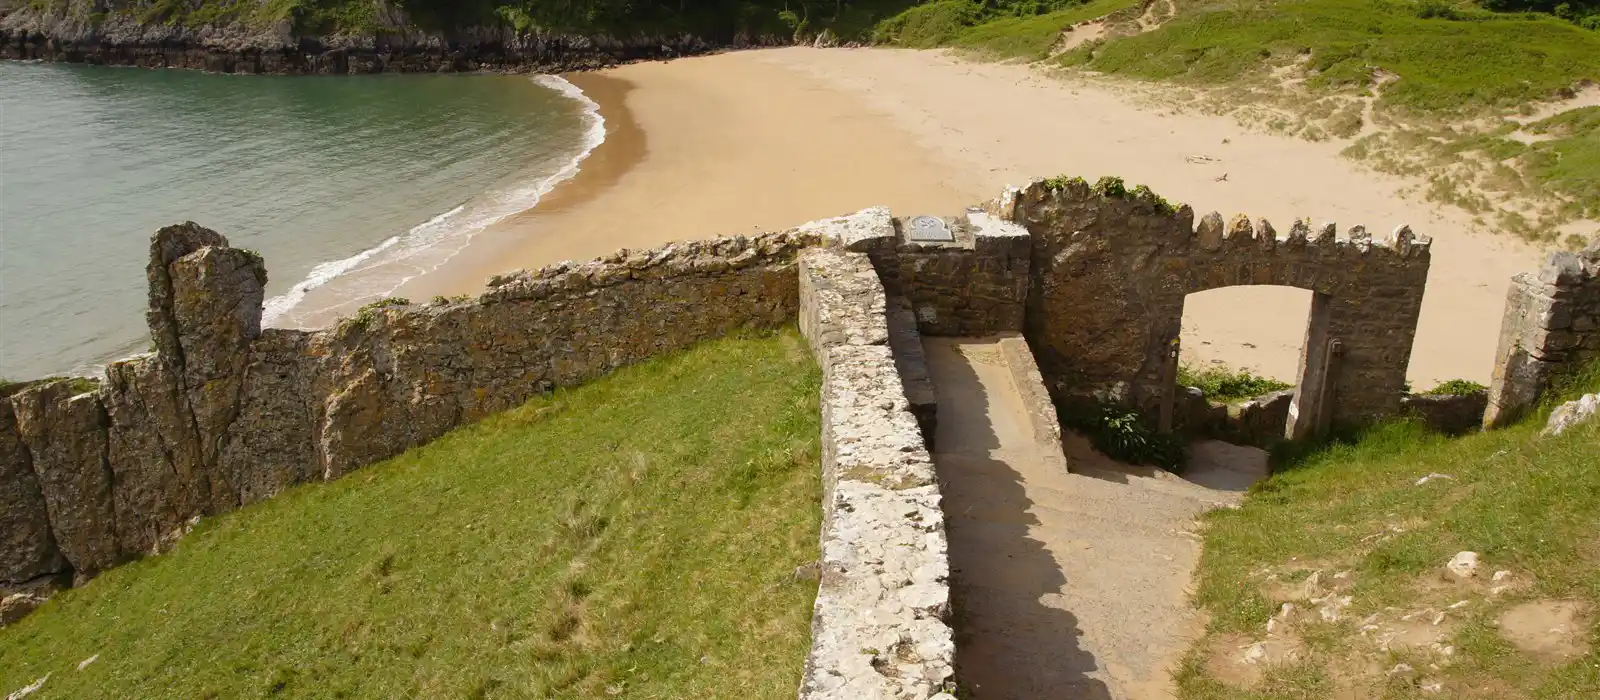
{"x":1551,"y":326}
{"x":1210,"y":231}
{"x":65,"y":434}
{"x":1328,"y":234}
{"x":1572,"y":413}
{"x":1463,"y":565}
{"x":16,"y":606}
{"x":1300,"y":232}
{"x":878,"y":629}
{"x":158,"y":475}
{"x":1240,"y":230}
{"x":1109,"y":287}
{"x":1450,"y":414}
{"x":27,"y":547}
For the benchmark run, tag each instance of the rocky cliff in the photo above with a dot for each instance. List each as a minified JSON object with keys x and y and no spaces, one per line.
{"x":127,"y":33}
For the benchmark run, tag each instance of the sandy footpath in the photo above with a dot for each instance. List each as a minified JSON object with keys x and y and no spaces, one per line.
{"x":765,"y":140}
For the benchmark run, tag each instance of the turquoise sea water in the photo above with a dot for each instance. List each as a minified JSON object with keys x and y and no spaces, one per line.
{"x":371,"y":178}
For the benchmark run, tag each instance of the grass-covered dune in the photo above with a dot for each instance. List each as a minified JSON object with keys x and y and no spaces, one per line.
{"x":1355,"y":537}
{"x":636,"y":537}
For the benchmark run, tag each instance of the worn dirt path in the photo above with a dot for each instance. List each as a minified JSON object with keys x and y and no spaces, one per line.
{"x":1065,"y":585}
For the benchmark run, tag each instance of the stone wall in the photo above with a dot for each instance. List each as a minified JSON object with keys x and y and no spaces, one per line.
{"x":225,"y":414}
{"x":974,"y":285}
{"x":1111,"y":270}
{"x":878,"y":628}
{"x":1551,"y":325}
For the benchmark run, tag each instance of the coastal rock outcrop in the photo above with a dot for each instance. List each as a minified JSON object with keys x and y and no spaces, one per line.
{"x":129,"y":34}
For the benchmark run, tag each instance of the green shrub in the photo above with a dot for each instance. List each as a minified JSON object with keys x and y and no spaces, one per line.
{"x":1457,"y":387}
{"x":1124,"y":434}
{"x":1229,"y":385}
{"x":930,"y":25}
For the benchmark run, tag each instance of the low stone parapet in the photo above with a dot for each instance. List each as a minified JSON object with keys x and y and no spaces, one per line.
{"x":879,"y":627}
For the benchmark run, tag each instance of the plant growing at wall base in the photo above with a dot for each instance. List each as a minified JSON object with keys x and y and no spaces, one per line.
{"x":1123,"y":434}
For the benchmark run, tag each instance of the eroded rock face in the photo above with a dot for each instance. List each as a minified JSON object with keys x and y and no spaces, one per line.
{"x":27,"y":547}
{"x":78,"y":31}
{"x":155,"y":460}
{"x":65,"y":433}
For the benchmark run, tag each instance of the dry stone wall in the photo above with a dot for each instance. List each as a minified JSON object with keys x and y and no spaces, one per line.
{"x":1551,"y":326}
{"x":1111,"y":269}
{"x":224,"y":413}
{"x":878,"y":628}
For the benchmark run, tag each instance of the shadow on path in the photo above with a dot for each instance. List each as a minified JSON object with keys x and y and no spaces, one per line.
{"x":1015,"y":637}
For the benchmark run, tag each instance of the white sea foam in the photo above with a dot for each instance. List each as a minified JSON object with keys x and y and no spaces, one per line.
{"x":433,"y":243}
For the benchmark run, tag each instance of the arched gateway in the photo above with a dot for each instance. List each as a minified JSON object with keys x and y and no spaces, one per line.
{"x":1111,"y":269}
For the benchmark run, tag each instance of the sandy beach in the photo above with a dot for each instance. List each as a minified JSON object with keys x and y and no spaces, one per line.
{"x":764,"y":140}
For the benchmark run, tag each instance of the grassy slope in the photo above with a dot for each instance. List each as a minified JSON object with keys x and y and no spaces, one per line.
{"x":1032,"y":38}
{"x":1526,"y":504}
{"x":632,"y":538}
{"x":1444,"y":66}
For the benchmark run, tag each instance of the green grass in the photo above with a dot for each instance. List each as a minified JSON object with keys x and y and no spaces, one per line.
{"x":1032,"y":38}
{"x":631,"y":538}
{"x":1526,"y":504}
{"x":1228,"y":385}
{"x":1444,"y":66}
{"x":1570,"y":162}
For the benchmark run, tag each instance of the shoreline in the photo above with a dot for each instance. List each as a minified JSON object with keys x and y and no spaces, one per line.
{"x":745,"y":141}
{"x":705,"y":146}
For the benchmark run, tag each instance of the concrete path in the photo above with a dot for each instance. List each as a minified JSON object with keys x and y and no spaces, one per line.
{"x":1065,"y":585}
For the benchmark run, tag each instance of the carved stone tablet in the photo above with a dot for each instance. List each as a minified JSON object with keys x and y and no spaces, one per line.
{"x":930,"y":229}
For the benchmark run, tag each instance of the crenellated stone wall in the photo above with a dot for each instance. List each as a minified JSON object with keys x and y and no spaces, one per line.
{"x":224,"y":414}
{"x":1551,"y":325}
{"x":1111,"y":269}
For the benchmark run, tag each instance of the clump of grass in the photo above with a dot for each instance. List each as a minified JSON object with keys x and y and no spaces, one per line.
{"x":638,"y":532}
{"x":1457,"y":387}
{"x":1228,"y":385}
{"x":364,"y":316}
{"x":1526,"y":504}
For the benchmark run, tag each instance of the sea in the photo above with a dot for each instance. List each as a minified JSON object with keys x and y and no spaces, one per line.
{"x":368,"y":180}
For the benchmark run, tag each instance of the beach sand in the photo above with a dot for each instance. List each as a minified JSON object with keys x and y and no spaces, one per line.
{"x":765,"y":140}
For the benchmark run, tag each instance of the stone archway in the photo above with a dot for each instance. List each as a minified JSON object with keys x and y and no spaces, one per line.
{"x":1111,"y":269}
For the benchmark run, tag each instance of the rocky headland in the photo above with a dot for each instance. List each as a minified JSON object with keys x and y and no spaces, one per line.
{"x":121,"y":33}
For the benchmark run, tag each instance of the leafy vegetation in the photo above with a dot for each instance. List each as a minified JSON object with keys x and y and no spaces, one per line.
{"x":1443,"y":66}
{"x":1457,"y":387}
{"x":634,"y":537}
{"x":1228,"y":385}
{"x":1123,"y":434}
{"x":1526,"y":504}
